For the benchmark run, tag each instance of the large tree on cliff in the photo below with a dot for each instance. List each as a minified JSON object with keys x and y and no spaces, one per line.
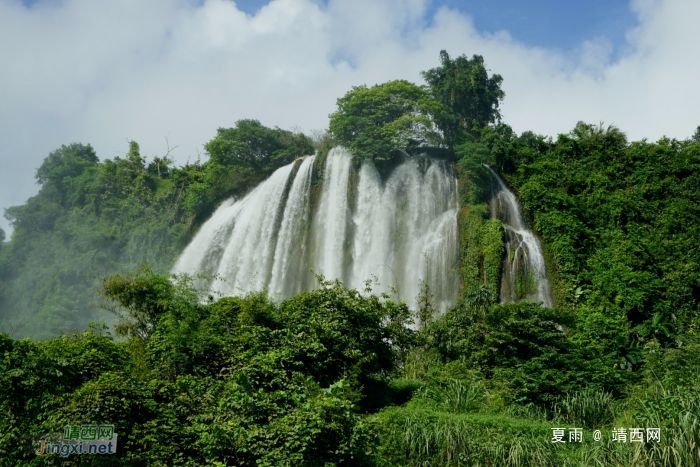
{"x":464,"y":86}
{"x":378,"y":122}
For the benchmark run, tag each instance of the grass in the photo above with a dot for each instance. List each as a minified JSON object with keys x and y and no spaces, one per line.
{"x":456,"y":396}
{"x":588,"y":408}
{"x":424,"y":437}
{"x":452,"y":424}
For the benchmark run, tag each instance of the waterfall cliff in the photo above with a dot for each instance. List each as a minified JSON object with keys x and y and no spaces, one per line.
{"x":524,"y":271}
{"x":401,"y":230}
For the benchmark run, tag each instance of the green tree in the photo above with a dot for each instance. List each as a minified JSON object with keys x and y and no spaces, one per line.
{"x":609,"y":136}
{"x":67,"y":161}
{"x":92,"y":218}
{"x":140,"y":300}
{"x":378,"y":123}
{"x":250,"y":143}
{"x":465,"y":87}
{"x":426,"y":310}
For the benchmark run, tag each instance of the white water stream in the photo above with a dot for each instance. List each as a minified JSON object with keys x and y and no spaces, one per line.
{"x":524,"y":271}
{"x":402,"y":230}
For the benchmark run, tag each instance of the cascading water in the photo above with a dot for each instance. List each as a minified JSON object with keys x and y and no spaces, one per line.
{"x":286,"y":272}
{"x":331,"y":223}
{"x":524,"y":272}
{"x":402,"y":231}
{"x":238,"y":242}
{"x":405,"y":230}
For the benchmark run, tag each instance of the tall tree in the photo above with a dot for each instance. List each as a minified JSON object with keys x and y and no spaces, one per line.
{"x":464,"y":86}
{"x":251,"y":144}
{"x":378,"y":122}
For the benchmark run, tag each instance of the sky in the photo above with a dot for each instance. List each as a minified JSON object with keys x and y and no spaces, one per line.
{"x":106,"y":72}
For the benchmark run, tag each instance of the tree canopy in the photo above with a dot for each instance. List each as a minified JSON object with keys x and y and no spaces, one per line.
{"x":238,"y":381}
{"x":93,"y":218}
{"x":464,"y":86}
{"x":251,"y":144}
{"x":377,"y":122}
{"x":67,"y":161}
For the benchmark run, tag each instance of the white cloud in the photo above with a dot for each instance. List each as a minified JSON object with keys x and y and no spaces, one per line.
{"x":102,"y":72}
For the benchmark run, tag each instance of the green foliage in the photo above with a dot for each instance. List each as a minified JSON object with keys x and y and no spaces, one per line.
{"x":432,"y":430}
{"x":522,"y":346}
{"x":145,"y":297}
{"x":92,"y":218}
{"x":620,"y":220}
{"x":493,"y":248}
{"x":35,"y":379}
{"x":673,"y":367}
{"x":482,"y":241}
{"x":482,"y":247}
{"x":475,"y":178}
{"x":470,"y":219}
{"x":250,"y":144}
{"x":511,"y":335}
{"x":63,"y":166}
{"x":426,"y":312}
{"x":380,"y":122}
{"x":242,"y":381}
{"x":455,"y":396}
{"x":675,"y":412}
{"x":413,"y":437}
{"x":588,"y":408}
{"x":464,"y":87}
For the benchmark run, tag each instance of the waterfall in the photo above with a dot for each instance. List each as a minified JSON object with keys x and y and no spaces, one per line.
{"x":331,"y":224}
{"x":401,"y":230}
{"x":405,"y":230}
{"x":287,"y":273}
{"x":524,"y":272}
{"x":238,"y":242}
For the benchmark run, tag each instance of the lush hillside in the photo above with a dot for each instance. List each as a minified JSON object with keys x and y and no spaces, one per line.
{"x":621,"y":221}
{"x":93,"y":218}
{"x":344,"y":377}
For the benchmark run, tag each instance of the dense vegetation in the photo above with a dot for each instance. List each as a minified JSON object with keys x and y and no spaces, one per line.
{"x":380,"y":122}
{"x":343,"y":377}
{"x":238,"y":381}
{"x":94,"y":218}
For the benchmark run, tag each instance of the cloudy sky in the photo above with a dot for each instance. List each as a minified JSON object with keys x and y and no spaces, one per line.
{"x":105,"y":72}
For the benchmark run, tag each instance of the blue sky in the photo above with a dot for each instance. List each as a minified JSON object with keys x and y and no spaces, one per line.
{"x":559,"y":24}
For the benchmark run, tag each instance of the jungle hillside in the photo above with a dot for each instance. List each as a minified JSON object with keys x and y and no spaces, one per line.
{"x":95,"y":328}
